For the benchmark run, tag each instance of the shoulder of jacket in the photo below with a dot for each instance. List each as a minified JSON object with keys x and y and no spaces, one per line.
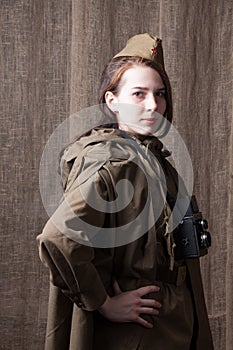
{"x":94,"y":150}
{"x":110,"y":143}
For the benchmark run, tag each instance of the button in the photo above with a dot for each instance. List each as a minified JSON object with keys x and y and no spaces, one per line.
{"x":78,"y":302}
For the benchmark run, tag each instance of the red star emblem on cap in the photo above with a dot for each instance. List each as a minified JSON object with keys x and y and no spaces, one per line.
{"x":154,"y":51}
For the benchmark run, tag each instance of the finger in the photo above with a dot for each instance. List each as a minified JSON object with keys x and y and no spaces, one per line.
{"x":148,"y":310}
{"x":116,"y":288}
{"x":151,"y":302}
{"x":147,"y":289}
{"x":144,"y":323}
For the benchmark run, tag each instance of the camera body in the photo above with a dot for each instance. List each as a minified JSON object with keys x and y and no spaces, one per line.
{"x":191,"y":236}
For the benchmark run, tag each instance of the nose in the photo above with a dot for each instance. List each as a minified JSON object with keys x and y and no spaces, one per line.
{"x":151,"y":104}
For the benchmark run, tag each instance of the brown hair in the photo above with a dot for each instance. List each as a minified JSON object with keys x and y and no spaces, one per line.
{"x":113,"y":72}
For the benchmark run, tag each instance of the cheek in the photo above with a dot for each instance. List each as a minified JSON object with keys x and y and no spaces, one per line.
{"x":129,"y":110}
{"x":162,"y":106}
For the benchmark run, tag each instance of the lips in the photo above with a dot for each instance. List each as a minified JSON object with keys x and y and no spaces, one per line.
{"x":149,"y":120}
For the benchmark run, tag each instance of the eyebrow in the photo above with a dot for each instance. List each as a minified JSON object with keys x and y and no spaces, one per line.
{"x":145,"y":88}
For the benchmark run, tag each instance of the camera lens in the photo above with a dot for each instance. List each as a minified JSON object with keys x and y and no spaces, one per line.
{"x":202,"y":224}
{"x":205,"y":239}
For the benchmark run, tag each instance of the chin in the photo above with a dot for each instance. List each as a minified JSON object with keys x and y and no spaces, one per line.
{"x":138,"y":129}
{"x":144,"y":131}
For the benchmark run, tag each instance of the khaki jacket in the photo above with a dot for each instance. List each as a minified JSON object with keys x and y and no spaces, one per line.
{"x":82,"y":275}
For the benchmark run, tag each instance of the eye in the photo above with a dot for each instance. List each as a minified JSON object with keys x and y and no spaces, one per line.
{"x":160,"y":93}
{"x":138,"y":93}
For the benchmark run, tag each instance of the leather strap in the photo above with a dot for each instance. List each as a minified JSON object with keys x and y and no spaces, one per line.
{"x":176,"y":276}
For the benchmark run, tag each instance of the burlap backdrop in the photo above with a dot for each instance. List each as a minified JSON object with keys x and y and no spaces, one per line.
{"x":52,"y":54}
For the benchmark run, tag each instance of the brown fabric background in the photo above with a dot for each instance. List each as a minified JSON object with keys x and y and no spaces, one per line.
{"x":52,"y":54}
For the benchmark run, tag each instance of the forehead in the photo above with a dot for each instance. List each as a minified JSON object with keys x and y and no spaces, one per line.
{"x":139,"y":75}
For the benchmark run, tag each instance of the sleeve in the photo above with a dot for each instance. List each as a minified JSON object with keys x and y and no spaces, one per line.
{"x":70,"y":262}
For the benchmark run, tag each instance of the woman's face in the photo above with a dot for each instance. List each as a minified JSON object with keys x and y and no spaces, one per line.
{"x":140,"y":95}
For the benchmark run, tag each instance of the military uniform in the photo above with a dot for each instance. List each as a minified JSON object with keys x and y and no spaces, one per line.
{"x":82,"y":275}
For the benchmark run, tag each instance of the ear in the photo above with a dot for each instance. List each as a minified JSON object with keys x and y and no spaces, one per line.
{"x":111,"y":101}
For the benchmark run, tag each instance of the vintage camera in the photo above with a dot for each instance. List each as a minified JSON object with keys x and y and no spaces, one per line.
{"x":191,"y":236}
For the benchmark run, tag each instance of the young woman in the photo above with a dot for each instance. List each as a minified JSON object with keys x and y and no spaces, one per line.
{"x":131,"y":292}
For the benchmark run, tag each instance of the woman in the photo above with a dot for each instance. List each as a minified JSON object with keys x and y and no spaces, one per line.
{"x":131,"y":292}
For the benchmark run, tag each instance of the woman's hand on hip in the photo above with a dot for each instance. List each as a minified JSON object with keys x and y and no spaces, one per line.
{"x":128,"y":306}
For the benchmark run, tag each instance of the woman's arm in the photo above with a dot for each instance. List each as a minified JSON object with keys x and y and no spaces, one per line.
{"x":71,"y":268}
{"x":61,"y":249}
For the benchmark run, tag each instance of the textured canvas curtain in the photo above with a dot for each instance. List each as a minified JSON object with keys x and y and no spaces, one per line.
{"x":52,"y":54}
